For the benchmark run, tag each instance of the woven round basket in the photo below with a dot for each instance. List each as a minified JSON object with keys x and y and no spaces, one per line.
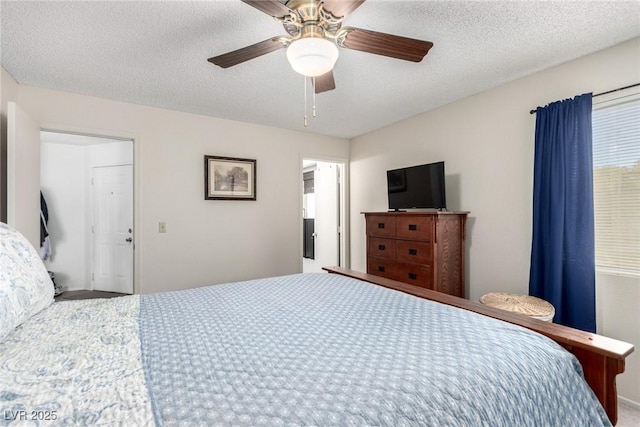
{"x":523,"y":304}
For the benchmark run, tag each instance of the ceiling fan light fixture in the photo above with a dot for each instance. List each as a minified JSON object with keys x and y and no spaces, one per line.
{"x":312,"y":56}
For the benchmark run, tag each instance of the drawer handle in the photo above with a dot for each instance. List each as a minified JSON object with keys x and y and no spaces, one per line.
{"x":413,"y":252}
{"x":381,"y":247}
{"x":381,"y":269}
{"x":413,"y":227}
{"x":413,"y":276}
{"x":381,"y":225}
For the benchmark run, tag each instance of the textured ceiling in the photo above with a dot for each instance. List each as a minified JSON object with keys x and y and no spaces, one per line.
{"x":155,"y":53}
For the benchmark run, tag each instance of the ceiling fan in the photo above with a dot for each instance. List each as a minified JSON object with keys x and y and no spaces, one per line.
{"x":314,"y":29}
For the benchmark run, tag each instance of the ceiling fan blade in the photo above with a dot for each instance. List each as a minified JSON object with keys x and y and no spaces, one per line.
{"x":341,"y":8}
{"x":270,"y":7}
{"x":386,"y":44}
{"x":325,"y":82}
{"x":239,"y":56}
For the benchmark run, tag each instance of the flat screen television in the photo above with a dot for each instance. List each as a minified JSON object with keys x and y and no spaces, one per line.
{"x":417,"y":187}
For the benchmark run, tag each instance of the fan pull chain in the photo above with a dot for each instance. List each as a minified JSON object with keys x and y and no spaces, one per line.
{"x":313,"y":109}
{"x":305,"y":100}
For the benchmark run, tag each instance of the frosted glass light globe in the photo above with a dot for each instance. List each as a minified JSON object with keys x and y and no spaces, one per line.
{"x":312,"y":56}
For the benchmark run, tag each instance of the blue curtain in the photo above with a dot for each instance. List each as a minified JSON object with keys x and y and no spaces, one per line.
{"x":563,"y":249}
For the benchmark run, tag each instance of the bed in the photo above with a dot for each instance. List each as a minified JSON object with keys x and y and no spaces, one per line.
{"x":304,"y":349}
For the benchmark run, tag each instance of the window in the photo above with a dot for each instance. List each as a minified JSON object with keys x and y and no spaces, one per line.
{"x":616,"y":186}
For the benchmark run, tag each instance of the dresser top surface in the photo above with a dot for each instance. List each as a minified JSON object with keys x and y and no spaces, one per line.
{"x":417,"y":213}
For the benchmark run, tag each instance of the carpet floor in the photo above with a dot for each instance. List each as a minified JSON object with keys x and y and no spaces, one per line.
{"x":71,"y":295}
{"x":628,"y":414}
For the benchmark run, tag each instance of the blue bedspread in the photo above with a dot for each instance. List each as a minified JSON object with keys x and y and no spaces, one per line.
{"x":322,"y":349}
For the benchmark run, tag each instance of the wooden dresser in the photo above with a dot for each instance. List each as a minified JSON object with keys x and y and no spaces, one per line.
{"x":425,"y":249}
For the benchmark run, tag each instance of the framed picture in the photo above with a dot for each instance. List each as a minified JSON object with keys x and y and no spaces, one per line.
{"x":229,"y":178}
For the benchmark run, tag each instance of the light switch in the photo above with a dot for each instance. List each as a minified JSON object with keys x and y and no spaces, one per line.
{"x":162,"y":227}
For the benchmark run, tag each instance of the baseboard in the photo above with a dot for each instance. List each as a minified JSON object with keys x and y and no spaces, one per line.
{"x":636,"y":405}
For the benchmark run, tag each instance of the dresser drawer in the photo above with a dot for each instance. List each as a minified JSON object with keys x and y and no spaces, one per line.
{"x":414,"y":252}
{"x":381,"y":248}
{"x":381,"y":225}
{"x":414,"y":228}
{"x":413,"y":274}
{"x":380,"y":267}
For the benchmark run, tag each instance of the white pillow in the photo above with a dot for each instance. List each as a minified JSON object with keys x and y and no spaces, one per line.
{"x":25,"y":285}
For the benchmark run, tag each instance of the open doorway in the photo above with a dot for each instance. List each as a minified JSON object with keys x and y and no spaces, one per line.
{"x":323,"y":215}
{"x":87,"y":185}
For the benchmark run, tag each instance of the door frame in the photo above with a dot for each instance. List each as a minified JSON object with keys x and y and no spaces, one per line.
{"x":136,"y":141}
{"x":343,"y":214}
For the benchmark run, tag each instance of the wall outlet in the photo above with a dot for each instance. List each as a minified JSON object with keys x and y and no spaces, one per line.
{"x":162,"y":227}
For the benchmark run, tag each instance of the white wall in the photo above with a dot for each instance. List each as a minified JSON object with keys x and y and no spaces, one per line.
{"x":487,"y":142}
{"x":63,"y":184}
{"x":619,"y":317}
{"x":23,"y":174}
{"x":207,"y":242}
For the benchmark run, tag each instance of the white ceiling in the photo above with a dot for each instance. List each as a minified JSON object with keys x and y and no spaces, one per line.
{"x":155,"y":53}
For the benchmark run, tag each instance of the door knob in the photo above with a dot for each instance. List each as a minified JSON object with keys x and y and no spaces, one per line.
{"x":128,"y":239}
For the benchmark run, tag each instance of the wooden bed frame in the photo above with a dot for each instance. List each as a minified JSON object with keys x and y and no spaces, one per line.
{"x":602,"y":358}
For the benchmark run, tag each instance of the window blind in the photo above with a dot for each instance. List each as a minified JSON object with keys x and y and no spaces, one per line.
{"x":616,"y":186}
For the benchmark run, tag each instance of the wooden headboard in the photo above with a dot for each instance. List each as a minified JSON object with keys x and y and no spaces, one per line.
{"x":602,"y":358}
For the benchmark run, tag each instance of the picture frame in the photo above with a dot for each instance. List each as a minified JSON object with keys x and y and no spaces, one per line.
{"x":229,"y":178}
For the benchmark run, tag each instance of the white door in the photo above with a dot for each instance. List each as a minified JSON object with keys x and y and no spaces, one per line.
{"x":23,"y":174}
{"x":326,"y":216}
{"x":113,"y":228}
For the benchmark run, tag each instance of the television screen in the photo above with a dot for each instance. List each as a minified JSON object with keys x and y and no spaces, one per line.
{"x":417,"y":187}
